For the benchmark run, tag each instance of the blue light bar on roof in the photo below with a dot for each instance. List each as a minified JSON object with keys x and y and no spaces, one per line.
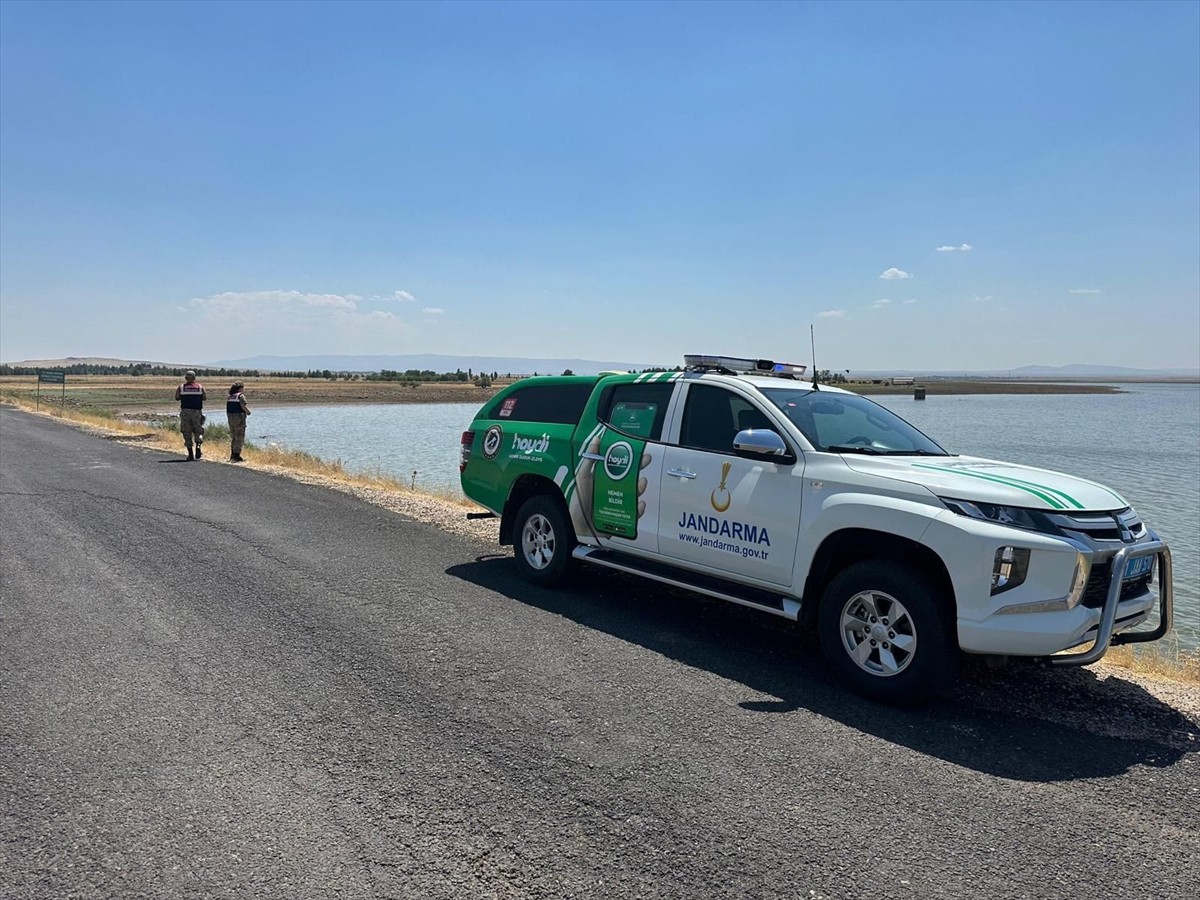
{"x":743,"y":365}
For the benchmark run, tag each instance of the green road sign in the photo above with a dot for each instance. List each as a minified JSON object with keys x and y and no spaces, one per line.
{"x":52,"y":376}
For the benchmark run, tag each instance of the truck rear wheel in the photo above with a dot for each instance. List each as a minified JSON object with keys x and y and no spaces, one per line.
{"x":884,"y":632}
{"x":544,"y":540}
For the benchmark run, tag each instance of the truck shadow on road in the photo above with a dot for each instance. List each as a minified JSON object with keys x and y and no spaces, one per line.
{"x":1026,"y":723}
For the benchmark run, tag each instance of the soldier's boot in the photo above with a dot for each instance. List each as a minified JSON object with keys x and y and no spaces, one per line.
{"x":190,"y":455}
{"x":198,"y":453}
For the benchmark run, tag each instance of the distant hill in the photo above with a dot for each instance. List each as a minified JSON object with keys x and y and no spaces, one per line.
{"x":1050,"y":373}
{"x":1081,"y":371}
{"x":432,"y":361}
{"x":91,"y":361}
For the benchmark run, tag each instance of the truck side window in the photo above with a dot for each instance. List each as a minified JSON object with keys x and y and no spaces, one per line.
{"x":713,"y":416}
{"x":638,"y":410}
{"x":558,"y":403}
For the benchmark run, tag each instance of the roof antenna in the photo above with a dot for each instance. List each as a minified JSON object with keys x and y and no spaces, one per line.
{"x":813,"y":340}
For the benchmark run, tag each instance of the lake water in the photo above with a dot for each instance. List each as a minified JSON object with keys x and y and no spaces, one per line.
{"x":1144,"y":443}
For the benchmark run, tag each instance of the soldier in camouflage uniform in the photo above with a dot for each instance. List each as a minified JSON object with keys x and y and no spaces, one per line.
{"x":236,"y":411}
{"x":191,"y":396}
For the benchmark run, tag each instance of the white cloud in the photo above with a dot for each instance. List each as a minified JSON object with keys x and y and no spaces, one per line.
{"x":1084,"y":291}
{"x":893,"y":274}
{"x":978,"y":299}
{"x":880,"y":304}
{"x":289,"y":311}
{"x":241,"y":303}
{"x":832,"y":314}
{"x":393,"y":297}
{"x":950,"y":248}
{"x":906,"y":302}
{"x":328,"y":301}
{"x":433,"y":311}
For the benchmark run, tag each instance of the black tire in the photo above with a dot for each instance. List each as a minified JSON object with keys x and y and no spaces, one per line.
{"x":914,"y":653}
{"x":543,"y":540}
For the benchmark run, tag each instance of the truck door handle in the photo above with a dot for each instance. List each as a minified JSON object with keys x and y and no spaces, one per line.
{"x":681,"y":473}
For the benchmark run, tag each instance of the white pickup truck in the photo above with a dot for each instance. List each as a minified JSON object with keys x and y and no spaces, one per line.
{"x":736,"y":479}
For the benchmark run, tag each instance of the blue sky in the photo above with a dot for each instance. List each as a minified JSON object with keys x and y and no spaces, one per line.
{"x":191,"y":182}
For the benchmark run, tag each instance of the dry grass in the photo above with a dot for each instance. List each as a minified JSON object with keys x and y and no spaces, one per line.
{"x":1162,"y":659}
{"x":299,"y":462}
{"x":93,"y":419}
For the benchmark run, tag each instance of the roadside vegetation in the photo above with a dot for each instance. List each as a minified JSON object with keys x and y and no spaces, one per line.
{"x":1164,"y":659}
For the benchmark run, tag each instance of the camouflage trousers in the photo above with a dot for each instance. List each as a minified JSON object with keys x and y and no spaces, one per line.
{"x":191,"y":426}
{"x":237,"y":432}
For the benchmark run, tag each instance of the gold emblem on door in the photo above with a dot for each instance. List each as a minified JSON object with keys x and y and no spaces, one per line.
{"x":720,"y":497}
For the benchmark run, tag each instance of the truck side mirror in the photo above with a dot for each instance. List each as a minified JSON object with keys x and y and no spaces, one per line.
{"x":759,"y":442}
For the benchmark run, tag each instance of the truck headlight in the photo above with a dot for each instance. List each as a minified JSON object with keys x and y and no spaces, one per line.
{"x":1009,"y":568}
{"x":1013,"y":516}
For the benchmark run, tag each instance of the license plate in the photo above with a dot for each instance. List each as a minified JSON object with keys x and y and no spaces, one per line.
{"x":1139,"y":566}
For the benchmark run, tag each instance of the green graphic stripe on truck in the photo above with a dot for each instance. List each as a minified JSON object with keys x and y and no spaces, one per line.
{"x":1041,"y":491}
{"x":1075,"y":502}
{"x":1022,"y":483}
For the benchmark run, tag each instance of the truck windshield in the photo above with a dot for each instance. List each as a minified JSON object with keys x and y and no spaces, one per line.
{"x":848,"y":423}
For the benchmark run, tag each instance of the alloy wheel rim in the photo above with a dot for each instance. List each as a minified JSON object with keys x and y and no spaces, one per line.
{"x":537,"y":541}
{"x":878,"y":633}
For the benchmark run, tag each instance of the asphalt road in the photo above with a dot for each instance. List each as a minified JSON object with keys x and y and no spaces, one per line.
{"x":218,"y":683}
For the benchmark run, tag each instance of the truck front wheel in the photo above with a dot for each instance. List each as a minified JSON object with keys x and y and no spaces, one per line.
{"x":544,"y":540}
{"x":883,"y":631}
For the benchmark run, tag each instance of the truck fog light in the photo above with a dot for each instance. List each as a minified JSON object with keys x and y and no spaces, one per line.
{"x":1009,"y":569}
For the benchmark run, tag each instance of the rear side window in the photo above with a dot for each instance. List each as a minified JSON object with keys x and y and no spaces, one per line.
{"x":559,"y":403}
{"x":638,"y":410}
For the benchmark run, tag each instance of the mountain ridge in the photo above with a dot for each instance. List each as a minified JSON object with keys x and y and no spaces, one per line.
{"x":437,"y":362}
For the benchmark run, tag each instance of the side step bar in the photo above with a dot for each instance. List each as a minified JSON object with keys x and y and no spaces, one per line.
{"x":756,"y":598}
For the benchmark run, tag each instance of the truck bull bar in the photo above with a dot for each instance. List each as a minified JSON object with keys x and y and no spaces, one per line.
{"x":1108,"y":615}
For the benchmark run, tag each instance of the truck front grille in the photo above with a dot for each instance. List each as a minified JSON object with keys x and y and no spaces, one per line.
{"x":1097,"y":587}
{"x":1122,"y":525}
